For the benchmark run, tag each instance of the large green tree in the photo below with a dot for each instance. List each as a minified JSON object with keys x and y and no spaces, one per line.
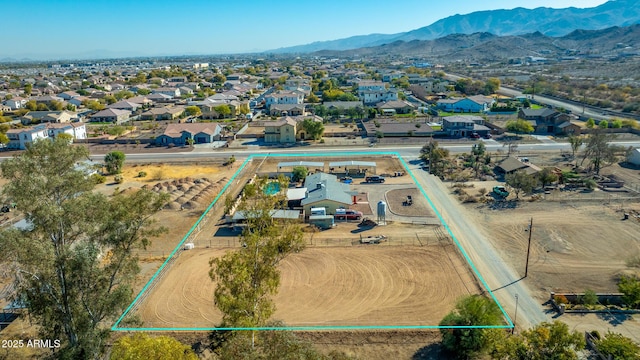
{"x":435,"y":156}
{"x":114,"y":161}
{"x":618,"y":347}
{"x":521,"y":182}
{"x":75,"y":265}
{"x":313,"y":128}
{"x":247,"y":278}
{"x":598,"y":150}
{"x":546,"y":341}
{"x":474,"y":310}
{"x":519,"y":126}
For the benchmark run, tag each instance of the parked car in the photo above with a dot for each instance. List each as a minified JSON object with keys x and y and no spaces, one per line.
{"x":487,"y":136}
{"x":374,"y":179}
{"x":348,"y":214}
{"x":475,"y":136}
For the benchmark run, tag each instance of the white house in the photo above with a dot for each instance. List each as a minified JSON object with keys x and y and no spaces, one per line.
{"x":15,"y":103}
{"x":172,"y":92}
{"x":78,"y":130}
{"x":473,"y":104}
{"x":284,"y":97}
{"x":19,"y":138}
{"x":374,"y":92}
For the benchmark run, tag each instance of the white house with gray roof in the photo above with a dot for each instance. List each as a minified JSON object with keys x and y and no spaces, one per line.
{"x":325,"y":190}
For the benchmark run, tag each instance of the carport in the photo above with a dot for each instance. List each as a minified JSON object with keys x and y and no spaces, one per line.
{"x":317,"y":166}
{"x":352,"y":167}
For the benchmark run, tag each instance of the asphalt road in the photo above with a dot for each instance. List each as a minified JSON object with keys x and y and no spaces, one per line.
{"x":578,"y":110}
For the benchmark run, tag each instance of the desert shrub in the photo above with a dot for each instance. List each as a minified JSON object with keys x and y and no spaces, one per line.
{"x":98,"y":179}
{"x":589,"y":298}
{"x":633,"y":261}
{"x":118,"y":179}
{"x":482,"y":191}
{"x":158,"y":175}
{"x":560,"y":299}
{"x":142,"y":174}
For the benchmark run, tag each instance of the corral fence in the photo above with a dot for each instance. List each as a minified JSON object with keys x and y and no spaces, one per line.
{"x":318,"y":241}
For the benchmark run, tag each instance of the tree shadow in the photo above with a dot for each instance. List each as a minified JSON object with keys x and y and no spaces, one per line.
{"x":614,"y":319}
{"x":431,"y":352}
{"x":503,"y":205}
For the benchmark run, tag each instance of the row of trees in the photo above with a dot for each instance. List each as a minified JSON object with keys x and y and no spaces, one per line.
{"x":544,"y":341}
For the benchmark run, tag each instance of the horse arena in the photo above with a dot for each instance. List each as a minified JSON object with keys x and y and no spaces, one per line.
{"x":339,"y":283}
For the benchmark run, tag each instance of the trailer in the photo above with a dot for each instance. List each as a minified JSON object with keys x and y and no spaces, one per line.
{"x":373,"y":239}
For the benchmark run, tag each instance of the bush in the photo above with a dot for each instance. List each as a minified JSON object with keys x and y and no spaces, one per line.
{"x":98,"y":179}
{"x":560,"y":299}
{"x":589,"y":298}
{"x":142,"y":174}
{"x":118,"y":179}
{"x":157,"y":175}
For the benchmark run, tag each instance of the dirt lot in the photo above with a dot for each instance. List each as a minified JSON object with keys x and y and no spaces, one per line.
{"x":361,"y":285}
{"x":575,"y":246}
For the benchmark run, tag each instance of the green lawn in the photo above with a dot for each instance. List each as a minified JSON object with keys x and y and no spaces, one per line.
{"x":536,"y":106}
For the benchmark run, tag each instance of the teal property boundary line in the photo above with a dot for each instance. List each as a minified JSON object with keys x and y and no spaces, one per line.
{"x":509,"y":325}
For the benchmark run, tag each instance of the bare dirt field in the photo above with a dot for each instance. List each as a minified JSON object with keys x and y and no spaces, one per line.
{"x":397,"y":200}
{"x":362,"y":285}
{"x":575,"y":245}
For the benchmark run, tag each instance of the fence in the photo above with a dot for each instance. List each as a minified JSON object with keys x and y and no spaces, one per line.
{"x":315,"y":241}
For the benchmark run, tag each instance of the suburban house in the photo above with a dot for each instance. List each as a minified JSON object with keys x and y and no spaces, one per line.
{"x":163,"y":113}
{"x":282,"y":131}
{"x":68,"y":95}
{"x":284,"y":97}
{"x":201,"y":133}
{"x":512,"y":164}
{"x":343,"y":105}
{"x":48,"y":116}
{"x":396,"y":128}
{"x":47,"y":99}
{"x":171,"y":92}
{"x":15,"y":103}
{"x":125,"y":105}
{"x":373,"y":92}
{"x":549,"y":121}
{"x":77,"y":130}
{"x":19,"y":138}
{"x":116,"y":116}
{"x":464,"y":125}
{"x":472,"y":104}
{"x":395,"y":107}
{"x":325,"y":190}
{"x":286,"y":110}
{"x":157,"y":97}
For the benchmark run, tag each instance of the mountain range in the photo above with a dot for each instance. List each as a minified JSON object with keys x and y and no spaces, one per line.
{"x":518,"y":21}
{"x":483,"y":46}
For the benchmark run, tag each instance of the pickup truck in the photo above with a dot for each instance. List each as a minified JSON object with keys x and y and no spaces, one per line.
{"x":374,"y":179}
{"x":347,"y":214}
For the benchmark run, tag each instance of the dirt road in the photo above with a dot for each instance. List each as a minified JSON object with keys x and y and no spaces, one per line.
{"x":501,"y":279}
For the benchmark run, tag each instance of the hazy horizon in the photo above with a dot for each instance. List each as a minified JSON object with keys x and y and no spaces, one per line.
{"x":68,"y":29}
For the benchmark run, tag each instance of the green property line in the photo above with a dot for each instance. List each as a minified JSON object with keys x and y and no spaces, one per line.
{"x":313,"y":328}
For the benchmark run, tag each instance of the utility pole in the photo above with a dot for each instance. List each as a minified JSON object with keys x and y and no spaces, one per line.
{"x":526,"y":268}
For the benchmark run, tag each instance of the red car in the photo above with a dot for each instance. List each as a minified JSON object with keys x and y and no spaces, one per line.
{"x":475,"y":136}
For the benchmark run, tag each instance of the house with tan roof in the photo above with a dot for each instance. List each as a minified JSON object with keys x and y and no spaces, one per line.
{"x":115,"y":116}
{"x":163,"y":113}
{"x":201,"y":133}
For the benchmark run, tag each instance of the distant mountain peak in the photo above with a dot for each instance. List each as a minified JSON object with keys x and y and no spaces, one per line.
{"x":540,"y":21}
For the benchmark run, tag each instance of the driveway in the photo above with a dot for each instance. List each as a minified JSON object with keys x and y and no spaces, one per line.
{"x":544,"y":139}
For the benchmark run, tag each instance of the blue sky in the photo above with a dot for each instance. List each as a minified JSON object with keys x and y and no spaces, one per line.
{"x":65,"y":28}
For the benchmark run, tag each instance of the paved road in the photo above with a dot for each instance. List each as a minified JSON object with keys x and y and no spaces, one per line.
{"x":411,"y":151}
{"x":501,"y":279}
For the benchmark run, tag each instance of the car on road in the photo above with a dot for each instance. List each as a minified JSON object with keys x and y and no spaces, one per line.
{"x":374,"y":179}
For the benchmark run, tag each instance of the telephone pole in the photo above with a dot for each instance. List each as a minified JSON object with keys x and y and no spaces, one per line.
{"x":526,"y":268}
